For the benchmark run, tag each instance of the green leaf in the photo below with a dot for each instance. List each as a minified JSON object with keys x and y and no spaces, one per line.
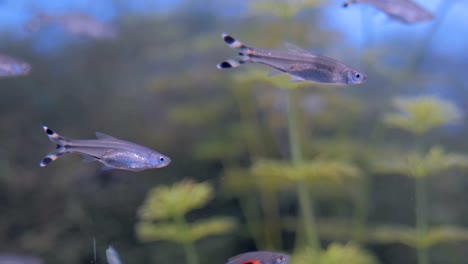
{"x":282,"y":8}
{"x":210,"y":227}
{"x":332,"y":171}
{"x":334,"y":254}
{"x":166,"y":202}
{"x":420,"y":114}
{"x":237,"y":181}
{"x":150,"y":232}
{"x":418,"y":165}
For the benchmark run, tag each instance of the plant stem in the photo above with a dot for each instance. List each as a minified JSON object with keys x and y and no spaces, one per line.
{"x":421,"y":218}
{"x":362,"y":210}
{"x":189,"y":247}
{"x":252,"y":219}
{"x":271,"y":216}
{"x":305,"y":201}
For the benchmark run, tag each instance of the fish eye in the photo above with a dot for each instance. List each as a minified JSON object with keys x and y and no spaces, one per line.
{"x":357,"y":76}
{"x":161,"y":159}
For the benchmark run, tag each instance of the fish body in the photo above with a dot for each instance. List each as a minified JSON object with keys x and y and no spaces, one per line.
{"x":10,"y":67}
{"x":76,"y":24}
{"x":297,"y":62}
{"x":112,"y":256}
{"x":112,"y":152}
{"x":405,"y":11}
{"x":19,"y":259}
{"x":259,"y":257}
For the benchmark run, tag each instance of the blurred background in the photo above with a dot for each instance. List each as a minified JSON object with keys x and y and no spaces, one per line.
{"x":371,"y":173}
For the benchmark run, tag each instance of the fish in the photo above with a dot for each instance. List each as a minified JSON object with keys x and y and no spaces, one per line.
{"x":112,"y":256}
{"x":11,"y":67}
{"x":259,"y":257}
{"x":300,"y":64}
{"x":19,"y":259}
{"x":405,"y":11}
{"x":114,"y":153}
{"x":75,"y":24}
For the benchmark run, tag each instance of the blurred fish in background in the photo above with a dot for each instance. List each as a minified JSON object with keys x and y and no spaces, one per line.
{"x":112,"y":256}
{"x":10,"y":67}
{"x":19,"y":259}
{"x":75,"y":24}
{"x":405,"y":11}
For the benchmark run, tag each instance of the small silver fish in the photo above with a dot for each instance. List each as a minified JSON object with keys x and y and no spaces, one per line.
{"x":297,"y":62}
{"x":19,"y":259}
{"x":112,"y":152}
{"x":112,"y":256}
{"x":10,"y":67}
{"x":259,"y":257}
{"x":76,"y":24}
{"x":405,"y":11}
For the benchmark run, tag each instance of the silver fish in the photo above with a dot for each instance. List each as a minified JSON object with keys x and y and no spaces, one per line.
{"x":112,"y":256}
{"x":112,"y":152}
{"x":10,"y":67}
{"x":76,"y":24}
{"x":297,"y":62}
{"x":405,"y":11}
{"x":19,"y":259}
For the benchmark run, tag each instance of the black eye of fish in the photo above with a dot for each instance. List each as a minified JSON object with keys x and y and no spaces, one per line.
{"x":358,"y":76}
{"x":161,"y":159}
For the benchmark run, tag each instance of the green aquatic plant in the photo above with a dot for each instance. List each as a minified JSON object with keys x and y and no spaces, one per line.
{"x":419,"y":165}
{"x":420,"y":114}
{"x":171,"y":203}
{"x":281,"y":8}
{"x":279,"y":173}
{"x":411,"y":238}
{"x":334,"y":254}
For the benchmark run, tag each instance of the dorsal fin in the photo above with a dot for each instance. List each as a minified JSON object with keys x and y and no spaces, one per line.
{"x":100,"y":135}
{"x":294,"y":48}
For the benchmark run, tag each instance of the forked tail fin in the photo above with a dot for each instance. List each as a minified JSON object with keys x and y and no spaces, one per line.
{"x":348,"y":3}
{"x":244,"y":52}
{"x":59,"y":151}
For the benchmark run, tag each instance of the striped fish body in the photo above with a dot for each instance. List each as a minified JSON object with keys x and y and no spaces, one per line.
{"x":112,"y":152}
{"x":302,"y":66}
{"x":75,"y":23}
{"x":297,"y":62}
{"x":405,"y":11}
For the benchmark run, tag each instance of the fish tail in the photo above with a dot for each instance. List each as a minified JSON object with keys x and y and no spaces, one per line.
{"x":348,"y":3}
{"x":59,"y":151}
{"x":244,"y":53}
{"x":230,"y":64}
{"x":233,"y":43}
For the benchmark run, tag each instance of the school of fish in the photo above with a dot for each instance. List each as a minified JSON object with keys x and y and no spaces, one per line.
{"x":300,"y":64}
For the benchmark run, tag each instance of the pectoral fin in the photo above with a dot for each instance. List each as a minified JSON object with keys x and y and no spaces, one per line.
{"x":275,"y":72}
{"x":89,"y":158}
{"x":296,"y":79}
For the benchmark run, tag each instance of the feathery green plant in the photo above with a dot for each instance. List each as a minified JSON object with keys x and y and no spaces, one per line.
{"x":419,"y":115}
{"x":334,"y":254}
{"x":171,"y":203}
{"x":281,"y":8}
